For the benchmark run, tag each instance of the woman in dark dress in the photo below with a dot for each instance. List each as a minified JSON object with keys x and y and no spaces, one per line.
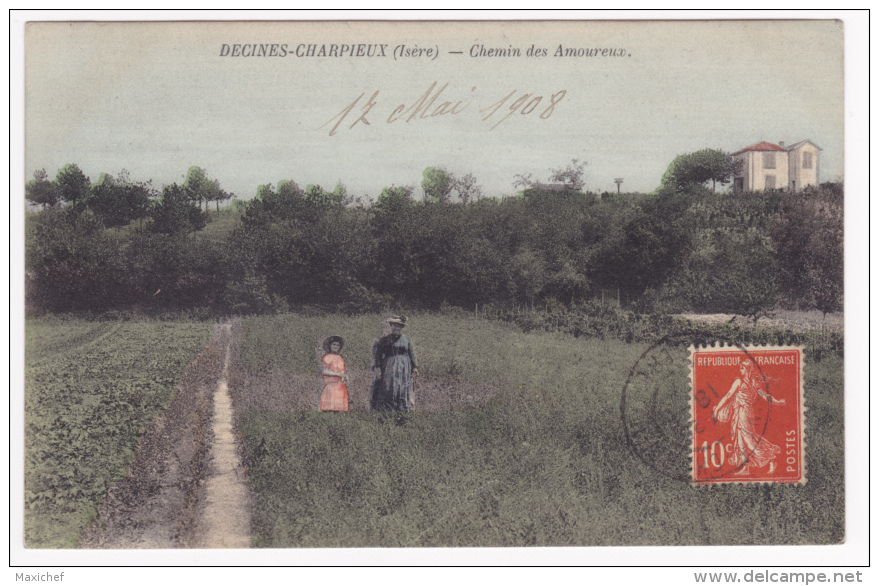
{"x":393,"y":362}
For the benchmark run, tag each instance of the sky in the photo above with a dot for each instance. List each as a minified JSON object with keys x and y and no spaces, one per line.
{"x":157,"y":98}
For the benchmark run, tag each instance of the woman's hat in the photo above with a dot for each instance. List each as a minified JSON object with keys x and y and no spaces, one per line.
{"x":329,"y":342}
{"x":397,"y":319}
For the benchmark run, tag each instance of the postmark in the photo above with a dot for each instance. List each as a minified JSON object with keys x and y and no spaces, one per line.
{"x":653,"y":410}
{"x":748,"y":415}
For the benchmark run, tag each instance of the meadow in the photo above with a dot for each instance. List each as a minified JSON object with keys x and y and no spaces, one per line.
{"x":91,"y":387}
{"x":521,"y":438}
{"x":544,"y":463}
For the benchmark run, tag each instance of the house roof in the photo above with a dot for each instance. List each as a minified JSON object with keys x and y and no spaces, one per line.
{"x":801,"y":143}
{"x":761,"y":146}
{"x":553,"y":187}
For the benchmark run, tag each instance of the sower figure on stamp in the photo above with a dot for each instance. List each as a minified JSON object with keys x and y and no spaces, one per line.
{"x":737,"y":407}
{"x":393,"y":363}
{"x":335,"y":393}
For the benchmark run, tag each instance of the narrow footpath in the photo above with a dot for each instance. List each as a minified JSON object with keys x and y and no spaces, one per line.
{"x":224,"y":512}
{"x":186,"y":486}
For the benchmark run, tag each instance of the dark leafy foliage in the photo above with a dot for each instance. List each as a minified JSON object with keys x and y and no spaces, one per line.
{"x":682,"y":249}
{"x":808,"y":243}
{"x":72,"y":183}
{"x":41,"y":191}
{"x":117,"y":205}
{"x":176,"y":213}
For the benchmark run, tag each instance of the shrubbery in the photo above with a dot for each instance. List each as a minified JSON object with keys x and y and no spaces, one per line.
{"x":807,"y":237}
{"x":678,"y":250}
{"x":606,"y":320}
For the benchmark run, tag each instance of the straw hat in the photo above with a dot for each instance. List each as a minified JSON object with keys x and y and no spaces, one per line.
{"x":329,"y":342}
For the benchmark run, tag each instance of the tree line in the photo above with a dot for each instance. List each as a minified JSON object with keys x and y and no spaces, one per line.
{"x":117,"y":244}
{"x":117,"y":201}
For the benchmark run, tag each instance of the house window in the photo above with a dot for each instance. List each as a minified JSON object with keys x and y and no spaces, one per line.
{"x":807,"y":160}
{"x":769,"y":160}
{"x":770,"y":182}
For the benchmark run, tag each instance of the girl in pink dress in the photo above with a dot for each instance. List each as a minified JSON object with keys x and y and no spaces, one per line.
{"x":335,"y":394}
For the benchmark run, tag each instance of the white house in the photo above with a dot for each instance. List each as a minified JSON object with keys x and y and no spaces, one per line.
{"x":772,"y":166}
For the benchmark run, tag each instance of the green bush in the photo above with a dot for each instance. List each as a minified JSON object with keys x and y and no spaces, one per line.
{"x":609,"y":321}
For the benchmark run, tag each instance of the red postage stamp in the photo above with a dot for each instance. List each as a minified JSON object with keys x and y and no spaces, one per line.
{"x":748,"y":414}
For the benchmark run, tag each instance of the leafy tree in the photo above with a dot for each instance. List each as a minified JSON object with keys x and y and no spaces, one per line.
{"x":732,"y":272}
{"x":116,"y":204}
{"x":176,"y":213}
{"x":567,"y":282}
{"x":649,"y":250}
{"x":173,"y":273}
{"x":288,"y":191}
{"x":340,"y":193}
{"x":219,"y":194}
{"x":729,"y":265}
{"x":393,"y":199}
{"x":437,"y":184}
{"x":41,"y":191}
{"x":392,"y":230}
{"x":699,"y":167}
{"x":467,"y":188}
{"x":71,"y":263}
{"x":124,"y":176}
{"x":529,"y":273}
{"x":72,"y":183}
{"x":287,"y":202}
{"x":105,"y":179}
{"x":324,"y":200}
{"x":199,"y":187}
{"x":571,"y":175}
{"x":106,"y":205}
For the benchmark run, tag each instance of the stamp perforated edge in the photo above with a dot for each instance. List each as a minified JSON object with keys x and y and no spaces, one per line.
{"x":723,"y":347}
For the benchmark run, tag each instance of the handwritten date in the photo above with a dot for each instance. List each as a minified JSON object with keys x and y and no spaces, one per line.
{"x":435,"y":103}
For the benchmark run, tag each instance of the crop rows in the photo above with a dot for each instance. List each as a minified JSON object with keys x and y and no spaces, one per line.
{"x":91,"y":388}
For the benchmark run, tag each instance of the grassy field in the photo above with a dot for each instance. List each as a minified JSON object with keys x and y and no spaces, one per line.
{"x":544,"y":463}
{"x":90,"y":389}
{"x":220,"y":226}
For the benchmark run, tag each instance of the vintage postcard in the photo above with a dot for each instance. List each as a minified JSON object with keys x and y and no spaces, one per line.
{"x":316,"y":286}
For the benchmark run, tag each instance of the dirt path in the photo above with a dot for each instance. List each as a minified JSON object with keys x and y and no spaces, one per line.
{"x":224,"y":514}
{"x":800,"y":321}
{"x":185,"y":487}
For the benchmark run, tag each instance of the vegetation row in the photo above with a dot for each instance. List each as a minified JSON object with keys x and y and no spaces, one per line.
{"x":119,"y":245}
{"x":91,"y":387}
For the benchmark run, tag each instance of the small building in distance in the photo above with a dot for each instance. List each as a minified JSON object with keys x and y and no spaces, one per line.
{"x":765,"y":166}
{"x":553,"y":187}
